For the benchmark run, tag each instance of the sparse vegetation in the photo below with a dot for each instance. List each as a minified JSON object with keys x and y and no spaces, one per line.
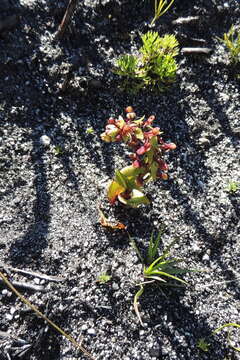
{"x":154,"y":67}
{"x":147,"y":157}
{"x":158,"y":269}
{"x":231,"y":40}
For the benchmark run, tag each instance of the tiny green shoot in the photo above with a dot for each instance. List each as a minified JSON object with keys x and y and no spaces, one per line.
{"x":58,"y":150}
{"x":233,"y":187}
{"x":160,"y":7}
{"x":104,"y":278}
{"x":90,"y":130}
{"x":203,"y":345}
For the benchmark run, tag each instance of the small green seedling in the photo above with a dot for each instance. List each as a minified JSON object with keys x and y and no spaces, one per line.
{"x":89,"y":131}
{"x":231,"y":39}
{"x":153,"y":67}
{"x":58,"y":150}
{"x":233,"y":187}
{"x":104,"y":278}
{"x":160,"y":7}
{"x":161,"y":270}
{"x":203,"y":345}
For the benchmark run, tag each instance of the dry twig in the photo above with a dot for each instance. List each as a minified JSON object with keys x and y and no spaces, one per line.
{"x":66,"y":18}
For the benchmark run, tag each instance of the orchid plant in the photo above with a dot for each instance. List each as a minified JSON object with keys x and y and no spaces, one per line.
{"x":148,"y":149}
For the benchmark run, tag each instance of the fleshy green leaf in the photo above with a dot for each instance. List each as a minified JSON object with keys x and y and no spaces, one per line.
{"x":154,"y":169}
{"x":139,"y":134}
{"x":137,"y":198}
{"x":114,"y":190}
{"x":121,"y":179}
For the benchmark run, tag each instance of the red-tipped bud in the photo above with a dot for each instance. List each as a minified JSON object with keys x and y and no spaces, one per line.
{"x":111,"y":120}
{"x":129,"y":109}
{"x":143,"y":149}
{"x":136,"y":164}
{"x":149,"y":121}
{"x":168,"y":146}
{"x":118,"y":137}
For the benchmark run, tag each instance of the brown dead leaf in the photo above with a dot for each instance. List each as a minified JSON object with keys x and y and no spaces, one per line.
{"x":104,"y":222}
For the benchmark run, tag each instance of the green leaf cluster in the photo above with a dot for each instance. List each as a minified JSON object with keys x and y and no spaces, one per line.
{"x":154,"y":66}
{"x":158,"y":268}
{"x":231,"y":39}
{"x":233,"y":187}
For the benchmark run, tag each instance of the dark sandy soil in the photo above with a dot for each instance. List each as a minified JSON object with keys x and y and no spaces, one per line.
{"x":51,"y":92}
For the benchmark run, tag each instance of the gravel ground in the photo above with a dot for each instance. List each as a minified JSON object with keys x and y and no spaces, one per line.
{"x":53,"y":175}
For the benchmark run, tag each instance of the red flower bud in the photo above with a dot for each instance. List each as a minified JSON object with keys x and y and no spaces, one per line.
{"x":168,"y":146}
{"x":143,"y":149}
{"x":149,"y":121}
{"x":111,"y":120}
{"x":129,"y":109}
{"x":118,"y":137}
{"x":136,"y":164}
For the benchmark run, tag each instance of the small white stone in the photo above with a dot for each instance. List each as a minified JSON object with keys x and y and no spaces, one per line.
{"x":9,"y":317}
{"x":45,"y":140}
{"x":12,"y":310}
{"x":84,"y":327}
{"x":203,"y":141}
{"x":91,"y":331}
{"x":205,"y":257}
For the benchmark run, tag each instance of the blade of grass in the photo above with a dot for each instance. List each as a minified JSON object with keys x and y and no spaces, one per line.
{"x":158,"y":9}
{"x":226,"y":325}
{"x":51,"y":323}
{"x":155,"y":272}
{"x":135,"y":303}
{"x":134,"y":245}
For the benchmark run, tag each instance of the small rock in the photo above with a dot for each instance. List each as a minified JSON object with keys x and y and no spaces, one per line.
{"x":205,"y":257}
{"x":12,"y":310}
{"x":45,"y":140}
{"x":91,"y":331}
{"x":115,"y":286}
{"x":84,"y":327}
{"x":9,"y":317}
{"x":203,"y":141}
{"x":195,"y":247}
